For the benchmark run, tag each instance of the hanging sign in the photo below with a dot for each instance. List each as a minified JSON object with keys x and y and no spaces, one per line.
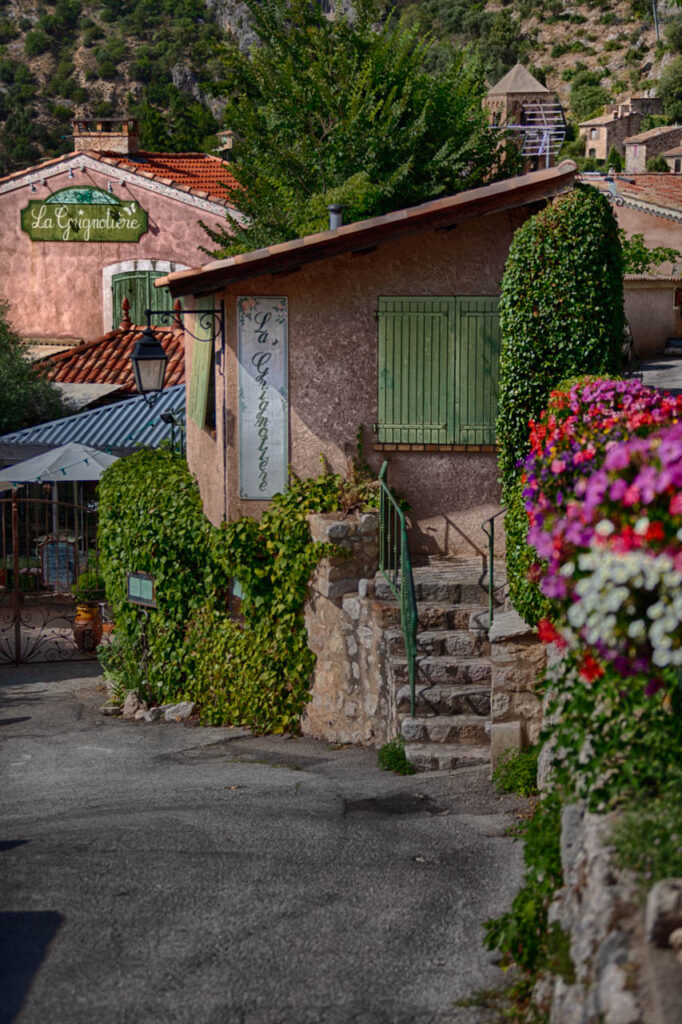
{"x":141,"y":589}
{"x":263,"y":436}
{"x":83,"y":215}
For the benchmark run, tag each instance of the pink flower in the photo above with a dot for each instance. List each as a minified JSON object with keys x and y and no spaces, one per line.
{"x":676,"y":504}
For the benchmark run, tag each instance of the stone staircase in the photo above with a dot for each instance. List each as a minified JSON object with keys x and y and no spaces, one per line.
{"x":452,"y":708}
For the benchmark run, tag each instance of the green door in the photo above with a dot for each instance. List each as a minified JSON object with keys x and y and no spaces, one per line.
{"x":138,"y":288}
{"x":476,"y":369}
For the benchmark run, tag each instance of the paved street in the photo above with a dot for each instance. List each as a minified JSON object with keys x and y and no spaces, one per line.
{"x":163,"y":873}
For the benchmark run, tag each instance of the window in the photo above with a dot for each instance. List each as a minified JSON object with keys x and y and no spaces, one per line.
{"x":594,"y":133}
{"x":201,"y":404}
{"x":438,"y":370}
{"x":138,"y":287}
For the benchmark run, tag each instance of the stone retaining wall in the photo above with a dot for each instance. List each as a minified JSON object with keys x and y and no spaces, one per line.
{"x":352,"y":691}
{"x":518,"y":660}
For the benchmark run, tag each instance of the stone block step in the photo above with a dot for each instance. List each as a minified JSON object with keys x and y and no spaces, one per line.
{"x":445,"y":700}
{"x":437,"y":756}
{"x":440,"y":589}
{"x":453,"y":729}
{"x":436,"y":642}
{"x":440,"y":615}
{"x":445,"y":671}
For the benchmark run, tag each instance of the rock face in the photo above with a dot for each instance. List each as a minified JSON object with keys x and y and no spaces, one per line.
{"x":664,"y":911}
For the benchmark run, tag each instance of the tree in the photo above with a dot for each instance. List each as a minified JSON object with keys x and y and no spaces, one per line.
{"x":638,"y":258}
{"x":588,"y":96}
{"x":27,"y":397}
{"x":345,"y":111}
{"x":670,"y":89}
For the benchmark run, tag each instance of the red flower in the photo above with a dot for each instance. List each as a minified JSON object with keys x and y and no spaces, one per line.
{"x":549,"y":635}
{"x":590,"y":669}
{"x":655,"y":531}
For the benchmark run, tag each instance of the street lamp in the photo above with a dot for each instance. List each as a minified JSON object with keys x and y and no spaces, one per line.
{"x":149,"y":365}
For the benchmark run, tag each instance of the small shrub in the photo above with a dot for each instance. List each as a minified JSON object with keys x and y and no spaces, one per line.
{"x":648,"y":838}
{"x":517,"y":772}
{"x":392,"y":758}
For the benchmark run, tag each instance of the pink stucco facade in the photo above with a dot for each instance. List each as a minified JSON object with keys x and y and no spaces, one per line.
{"x":652,"y":307}
{"x":59,"y":289}
{"x":332,"y":379}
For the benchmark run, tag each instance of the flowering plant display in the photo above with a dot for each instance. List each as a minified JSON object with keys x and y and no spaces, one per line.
{"x":603,"y":492}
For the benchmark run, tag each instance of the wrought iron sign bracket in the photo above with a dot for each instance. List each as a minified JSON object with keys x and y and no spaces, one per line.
{"x":207,"y":320}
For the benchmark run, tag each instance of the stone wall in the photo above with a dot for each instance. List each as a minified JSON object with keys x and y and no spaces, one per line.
{"x":518,"y":659}
{"x":352,"y":691}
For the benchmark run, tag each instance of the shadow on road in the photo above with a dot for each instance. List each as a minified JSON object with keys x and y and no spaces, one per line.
{"x":25,"y":937}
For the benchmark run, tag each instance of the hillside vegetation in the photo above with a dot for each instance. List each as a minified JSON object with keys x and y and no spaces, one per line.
{"x":157,"y":59}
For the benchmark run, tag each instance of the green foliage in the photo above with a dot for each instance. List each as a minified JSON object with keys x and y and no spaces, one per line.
{"x":392,"y":758}
{"x":673,"y":34}
{"x":618,"y":741}
{"x":561,"y":311}
{"x":524,"y":566}
{"x":638,"y":258}
{"x":588,"y":96}
{"x":657,"y":164}
{"x":670,"y":89}
{"x":35,"y":43}
{"x":648,"y":838}
{"x":90,"y":587}
{"x":517,"y":771}
{"x":522,"y":934}
{"x":253,"y":672}
{"x":27,"y":397}
{"x":614,"y":160}
{"x":345,"y":110}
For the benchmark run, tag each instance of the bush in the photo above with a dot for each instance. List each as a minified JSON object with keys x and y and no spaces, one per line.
{"x":392,"y":758}
{"x":657,"y":164}
{"x":561,"y":311}
{"x":35,"y":43}
{"x":517,"y":772}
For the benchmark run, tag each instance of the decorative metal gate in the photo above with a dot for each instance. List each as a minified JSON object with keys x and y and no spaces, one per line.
{"x":48,"y":561}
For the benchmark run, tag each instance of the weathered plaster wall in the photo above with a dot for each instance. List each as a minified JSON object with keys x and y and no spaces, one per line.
{"x":333,"y":377}
{"x":656,"y":230}
{"x":652,"y":315}
{"x":352,"y":690}
{"x":55,"y":288}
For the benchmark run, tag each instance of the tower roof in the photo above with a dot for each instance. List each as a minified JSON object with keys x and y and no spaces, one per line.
{"x":518,"y":80}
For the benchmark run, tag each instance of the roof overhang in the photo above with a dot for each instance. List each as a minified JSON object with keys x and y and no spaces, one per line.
{"x":368,"y":234}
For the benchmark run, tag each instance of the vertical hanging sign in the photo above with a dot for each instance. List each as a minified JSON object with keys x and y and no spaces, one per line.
{"x":263,"y":406}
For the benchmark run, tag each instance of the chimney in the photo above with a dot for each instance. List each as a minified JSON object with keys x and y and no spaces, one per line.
{"x":335,"y":215}
{"x":106,"y":135}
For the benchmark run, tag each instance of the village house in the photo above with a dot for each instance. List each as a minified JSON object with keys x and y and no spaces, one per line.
{"x":84,"y":230}
{"x":615,"y":125}
{"x":521,"y":104}
{"x":650,"y":205}
{"x":639,"y":149}
{"x":388,"y":326}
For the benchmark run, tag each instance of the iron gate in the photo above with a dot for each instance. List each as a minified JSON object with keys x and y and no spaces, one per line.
{"x":48,"y":559}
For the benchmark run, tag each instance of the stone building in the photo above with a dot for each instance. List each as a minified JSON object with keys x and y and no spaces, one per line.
{"x":84,"y":230}
{"x":655,"y":142}
{"x":613,"y":127}
{"x":673,"y":158}
{"x":531,"y":111}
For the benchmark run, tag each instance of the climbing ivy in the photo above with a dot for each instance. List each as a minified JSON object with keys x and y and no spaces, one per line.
{"x":561,"y":311}
{"x":252,"y":671}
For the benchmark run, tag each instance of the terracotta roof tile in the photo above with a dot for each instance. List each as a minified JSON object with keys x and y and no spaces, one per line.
{"x":660,"y":189}
{"x":106,"y":360}
{"x":200,"y":173}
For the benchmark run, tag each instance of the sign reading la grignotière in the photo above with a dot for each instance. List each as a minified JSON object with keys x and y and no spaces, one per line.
{"x":83,"y":215}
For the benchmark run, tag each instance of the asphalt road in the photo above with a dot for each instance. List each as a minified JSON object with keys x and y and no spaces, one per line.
{"x":163,"y":873}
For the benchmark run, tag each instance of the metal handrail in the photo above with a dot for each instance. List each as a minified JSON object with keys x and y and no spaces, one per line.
{"x":490,"y":534}
{"x":396,"y":566}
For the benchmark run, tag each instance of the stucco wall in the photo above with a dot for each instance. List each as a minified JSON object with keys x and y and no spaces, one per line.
{"x":55,"y":289}
{"x":333,"y":378}
{"x":652,"y":315}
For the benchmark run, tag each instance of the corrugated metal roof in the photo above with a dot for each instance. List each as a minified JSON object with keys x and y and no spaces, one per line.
{"x":119,"y":428}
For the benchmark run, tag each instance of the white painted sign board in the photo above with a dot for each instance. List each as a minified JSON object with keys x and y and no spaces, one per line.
{"x":263,"y":396}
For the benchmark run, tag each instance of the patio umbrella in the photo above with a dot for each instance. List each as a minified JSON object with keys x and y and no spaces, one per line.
{"x":73,"y":462}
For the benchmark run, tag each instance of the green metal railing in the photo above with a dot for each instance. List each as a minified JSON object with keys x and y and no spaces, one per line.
{"x":490,"y":534}
{"x":396,"y":566}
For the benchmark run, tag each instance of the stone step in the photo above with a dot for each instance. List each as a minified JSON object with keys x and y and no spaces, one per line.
{"x":438,"y":756}
{"x":440,"y":615}
{"x":441,"y":590}
{"x":445,"y":700}
{"x":436,"y":642}
{"x":472,"y":730}
{"x":446,"y":671}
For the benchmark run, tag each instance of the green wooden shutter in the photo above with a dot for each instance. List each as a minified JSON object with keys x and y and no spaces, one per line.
{"x":416,"y":366}
{"x":476,"y":369}
{"x":138,"y":287}
{"x":202,"y":367}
